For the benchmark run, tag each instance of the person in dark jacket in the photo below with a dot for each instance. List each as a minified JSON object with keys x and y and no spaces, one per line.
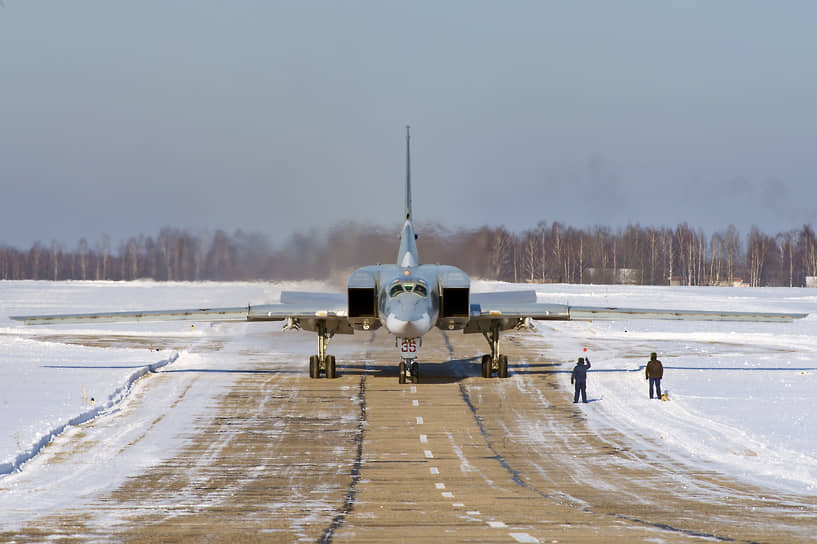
{"x":579,"y":379}
{"x":655,"y":371}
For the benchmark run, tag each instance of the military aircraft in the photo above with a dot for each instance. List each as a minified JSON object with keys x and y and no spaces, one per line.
{"x":408,"y":299}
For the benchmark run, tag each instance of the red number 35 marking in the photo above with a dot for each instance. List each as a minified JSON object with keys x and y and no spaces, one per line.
{"x":409,"y":346}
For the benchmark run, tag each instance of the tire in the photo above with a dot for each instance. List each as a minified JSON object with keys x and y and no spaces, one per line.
{"x":314,"y":366}
{"x":503,"y":366}
{"x":415,"y":372}
{"x":330,"y":366}
{"x":486,"y":366}
{"x":401,"y":375}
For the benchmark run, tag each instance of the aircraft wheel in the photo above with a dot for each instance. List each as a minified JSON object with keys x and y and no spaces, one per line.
{"x":401,"y":376}
{"x":330,"y":366}
{"x":314,"y":366}
{"x":486,"y":366}
{"x":415,"y":372}
{"x":503,"y":366}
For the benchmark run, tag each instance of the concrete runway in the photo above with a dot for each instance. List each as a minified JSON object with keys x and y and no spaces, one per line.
{"x":457,"y":458}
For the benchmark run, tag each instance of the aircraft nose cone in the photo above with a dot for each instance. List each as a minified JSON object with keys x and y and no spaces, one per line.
{"x":408,"y":329}
{"x":407,"y":318}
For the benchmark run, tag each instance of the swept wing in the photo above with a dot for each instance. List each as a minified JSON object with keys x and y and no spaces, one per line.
{"x":507,"y":312}
{"x":212,"y":314}
{"x":590,"y":313}
{"x":294,"y":305}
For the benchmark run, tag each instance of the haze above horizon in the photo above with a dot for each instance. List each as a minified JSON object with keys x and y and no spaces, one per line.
{"x":121,"y":118}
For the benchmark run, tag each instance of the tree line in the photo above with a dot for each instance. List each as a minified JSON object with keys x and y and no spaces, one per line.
{"x":550,"y":252}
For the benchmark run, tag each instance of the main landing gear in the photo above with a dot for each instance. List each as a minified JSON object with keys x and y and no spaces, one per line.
{"x":322,"y":363}
{"x":495,"y":361}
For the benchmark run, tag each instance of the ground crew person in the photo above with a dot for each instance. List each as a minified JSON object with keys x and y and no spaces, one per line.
{"x":655,"y":371}
{"x":579,"y":379}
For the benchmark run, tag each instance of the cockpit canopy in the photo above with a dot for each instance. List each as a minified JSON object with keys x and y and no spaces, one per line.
{"x":417,"y":287}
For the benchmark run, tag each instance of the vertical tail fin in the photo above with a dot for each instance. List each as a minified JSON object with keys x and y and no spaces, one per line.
{"x":407,"y":256}
{"x":408,"y":174}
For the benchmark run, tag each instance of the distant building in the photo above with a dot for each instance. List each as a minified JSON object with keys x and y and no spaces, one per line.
{"x":736,"y":282}
{"x":629,"y":276}
{"x":621,"y":276}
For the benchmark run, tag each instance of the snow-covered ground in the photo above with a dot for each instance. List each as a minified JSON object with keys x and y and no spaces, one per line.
{"x":46,"y":384}
{"x":741,"y":394}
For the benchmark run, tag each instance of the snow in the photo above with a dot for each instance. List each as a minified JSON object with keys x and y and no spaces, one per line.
{"x":741,"y":394}
{"x":46,"y":385}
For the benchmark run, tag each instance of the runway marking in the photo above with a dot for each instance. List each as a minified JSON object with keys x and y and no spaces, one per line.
{"x":458,"y":505}
{"x":473,"y":512}
{"x":415,"y":402}
{"x":524,"y":538}
{"x":447,"y":494}
{"x":428,"y":454}
{"x":497,"y":524}
{"x":413,"y":388}
{"x":434,"y":470}
{"x":440,"y":485}
{"x":423,"y":439}
{"x":419,"y":420}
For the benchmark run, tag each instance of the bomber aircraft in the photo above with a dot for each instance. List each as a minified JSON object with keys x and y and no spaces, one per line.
{"x":408,"y":299}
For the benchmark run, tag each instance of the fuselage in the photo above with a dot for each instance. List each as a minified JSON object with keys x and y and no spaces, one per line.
{"x":409,"y":300}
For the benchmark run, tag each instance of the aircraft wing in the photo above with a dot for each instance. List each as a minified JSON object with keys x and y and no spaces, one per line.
{"x":509,"y":314}
{"x":591,"y":313}
{"x":212,"y":314}
{"x":294,"y":305}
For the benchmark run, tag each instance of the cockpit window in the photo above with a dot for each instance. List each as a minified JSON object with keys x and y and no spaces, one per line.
{"x":418,"y":289}
{"x":396,"y":289}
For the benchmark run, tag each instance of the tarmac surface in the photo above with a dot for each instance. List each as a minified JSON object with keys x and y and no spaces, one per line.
{"x":457,"y":458}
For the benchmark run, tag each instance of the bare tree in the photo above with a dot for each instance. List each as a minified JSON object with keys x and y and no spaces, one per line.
{"x":759,"y":245}
{"x":83,"y":259}
{"x":716,"y":261}
{"x":808,"y":249}
{"x":732,"y":252}
{"x":531,"y":255}
{"x":55,"y":260}
{"x":501,"y":253}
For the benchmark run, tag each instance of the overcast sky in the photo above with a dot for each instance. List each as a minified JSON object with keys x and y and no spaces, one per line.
{"x":123,"y":117}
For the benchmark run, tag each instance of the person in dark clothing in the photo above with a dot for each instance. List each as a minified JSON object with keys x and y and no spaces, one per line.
{"x":655,"y":371}
{"x":579,"y":379}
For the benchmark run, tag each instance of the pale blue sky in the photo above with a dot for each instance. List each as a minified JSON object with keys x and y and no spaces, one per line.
{"x":122,"y":117}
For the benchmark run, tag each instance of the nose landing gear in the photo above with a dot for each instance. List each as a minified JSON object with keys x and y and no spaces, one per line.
{"x":409,"y":369}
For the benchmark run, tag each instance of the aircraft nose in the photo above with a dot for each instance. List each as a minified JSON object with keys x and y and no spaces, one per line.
{"x":407,"y":316}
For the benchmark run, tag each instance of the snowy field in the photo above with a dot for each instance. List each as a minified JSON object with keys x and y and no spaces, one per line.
{"x":46,"y":385}
{"x":741,"y":394}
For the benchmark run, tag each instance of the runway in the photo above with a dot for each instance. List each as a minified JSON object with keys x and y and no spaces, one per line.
{"x":280,"y":457}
